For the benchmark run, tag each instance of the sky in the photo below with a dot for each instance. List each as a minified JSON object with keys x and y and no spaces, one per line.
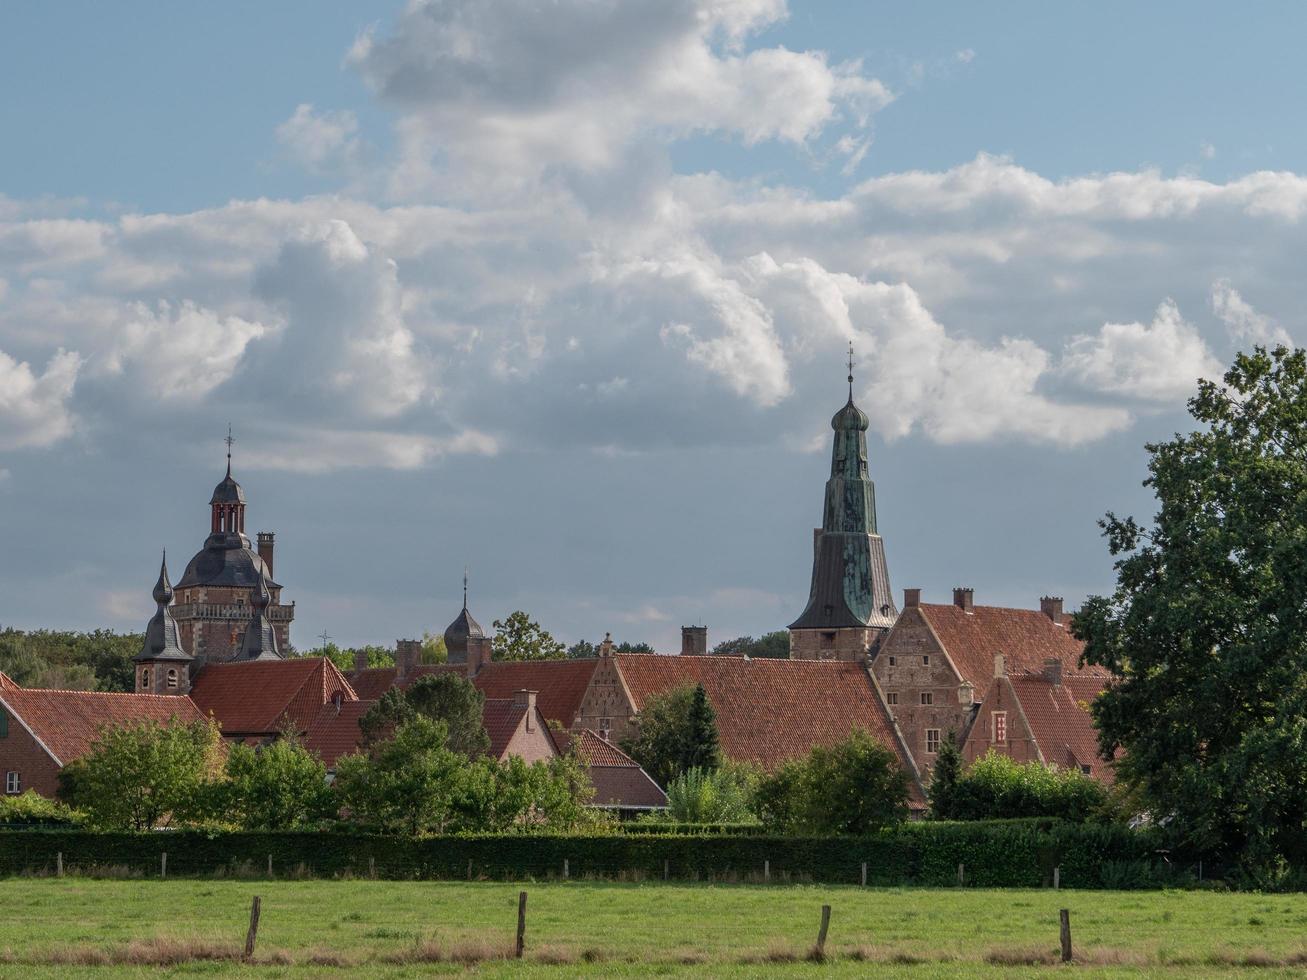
{"x":560,"y":291}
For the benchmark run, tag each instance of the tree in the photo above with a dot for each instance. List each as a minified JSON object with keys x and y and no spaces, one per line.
{"x":143,"y":775}
{"x":722,"y":795}
{"x":277,"y":787}
{"x":1206,"y":629}
{"x":447,"y":698}
{"x":998,"y":788}
{"x":775,"y":645}
{"x":674,"y":735}
{"x":99,"y":660}
{"x":584,"y":648}
{"x":855,"y":787}
{"x":521,"y":638}
{"x":944,"y":779}
{"x":409,"y":783}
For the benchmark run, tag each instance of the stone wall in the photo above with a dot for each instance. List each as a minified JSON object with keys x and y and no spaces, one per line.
{"x":842,"y":644}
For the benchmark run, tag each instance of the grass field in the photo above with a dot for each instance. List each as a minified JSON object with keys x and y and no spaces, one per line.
{"x":114,"y":928}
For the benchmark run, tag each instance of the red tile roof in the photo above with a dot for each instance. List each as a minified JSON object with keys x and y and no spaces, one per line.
{"x":6,"y":683}
{"x":69,"y":722}
{"x":372,"y":682}
{"x":1025,"y":637}
{"x":618,"y":779}
{"x":263,"y":696}
{"x":502,"y":718}
{"x":561,"y":684}
{"x":335,"y":731}
{"x":771,"y":710}
{"x":1060,"y":721}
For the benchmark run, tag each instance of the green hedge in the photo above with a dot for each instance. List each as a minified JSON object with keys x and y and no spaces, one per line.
{"x":995,"y":854}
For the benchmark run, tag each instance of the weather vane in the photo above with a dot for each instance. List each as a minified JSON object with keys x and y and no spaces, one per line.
{"x":850,"y":370}
{"x":229,"y":440}
{"x":464,"y":586}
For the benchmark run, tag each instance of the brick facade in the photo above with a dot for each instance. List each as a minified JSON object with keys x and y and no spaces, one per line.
{"x":213,"y":619}
{"x":20,"y":752}
{"x":851,"y":644}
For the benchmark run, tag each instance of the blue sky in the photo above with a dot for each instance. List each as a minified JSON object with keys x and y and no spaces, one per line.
{"x":561,"y":291}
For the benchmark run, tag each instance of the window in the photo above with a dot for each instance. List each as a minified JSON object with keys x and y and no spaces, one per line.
{"x":145,"y":677}
{"x":892,"y":697}
{"x":927,"y":697}
{"x":1000,"y":726}
{"x":1086,"y":770}
{"x":925,"y":660}
{"x":172,"y":677}
{"x":12,"y":783}
{"x":893,"y":661}
{"x":828,"y":641}
{"x":932,"y":740}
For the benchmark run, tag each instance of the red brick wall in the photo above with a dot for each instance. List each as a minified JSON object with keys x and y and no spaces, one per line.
{"x":606,"y":698}
{"x":1020,"y":743}
{"x":20,"y":752}
{"x":534,"y":745}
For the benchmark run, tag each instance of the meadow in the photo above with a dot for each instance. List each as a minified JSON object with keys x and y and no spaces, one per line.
{"x":116,"y":928}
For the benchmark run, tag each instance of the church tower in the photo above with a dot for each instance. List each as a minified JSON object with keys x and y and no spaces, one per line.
{"x":162,"y":666}
{"x":850,"y":606}
{"x":466,"y":642}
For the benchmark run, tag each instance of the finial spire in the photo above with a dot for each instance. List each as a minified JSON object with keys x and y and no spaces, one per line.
{"x":465,"y":587}
{"x":850,"y":370}
{"x":229,"y":440}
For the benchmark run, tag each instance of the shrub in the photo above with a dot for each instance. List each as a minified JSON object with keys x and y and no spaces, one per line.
{"x":29,"y":808}
{"x":996,"y":788}
{"x":712,"y":796}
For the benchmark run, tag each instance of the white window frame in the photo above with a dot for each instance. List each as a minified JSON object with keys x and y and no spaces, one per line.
{"x":999,"y":717}
{"x":927,"y":699}
{"x":932,"y":736}
{"x":13,"y":782}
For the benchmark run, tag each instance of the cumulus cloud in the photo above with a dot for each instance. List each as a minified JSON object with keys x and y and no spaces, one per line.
{"x":34,"y":409}
{"x":323,"y":142}
{"x":1246,"y":325}
{"x":1160,"y":361}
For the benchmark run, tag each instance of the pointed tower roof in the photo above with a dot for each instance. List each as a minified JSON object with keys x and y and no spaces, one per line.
{"x":228,"y":491}
{"x":162,"y":637}
{"x":260,"y":642}
{"x":462,"y":629}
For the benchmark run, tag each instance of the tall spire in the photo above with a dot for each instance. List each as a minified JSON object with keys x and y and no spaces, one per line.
{"x":162,"y":637}
{"x":229,"y":440}
{"x":464,"y":586}
{"x":850,"y":372}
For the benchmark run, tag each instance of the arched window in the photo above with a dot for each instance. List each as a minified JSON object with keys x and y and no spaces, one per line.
{"x":145,"y":677}
{"x":172,"y":677}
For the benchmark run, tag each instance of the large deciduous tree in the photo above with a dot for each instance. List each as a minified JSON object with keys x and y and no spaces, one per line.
{"x":276,"y":787}
{"x":1207,"y":628}
{"x":677,"y":731}
{"x":521,"y":638}
{"x":446,"y":698}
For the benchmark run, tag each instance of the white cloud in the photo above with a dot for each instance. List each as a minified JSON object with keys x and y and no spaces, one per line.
{"x":323,"y":142}
{"x":34,"y":409}
{"x":317,"y":450}
{"x":1161,"y":361}
{"x":1246,"y":325}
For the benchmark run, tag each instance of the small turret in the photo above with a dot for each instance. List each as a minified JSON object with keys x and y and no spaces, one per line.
{"x":260,"y":642}
{"x":163,"y":666}
{"x":465,"y":641}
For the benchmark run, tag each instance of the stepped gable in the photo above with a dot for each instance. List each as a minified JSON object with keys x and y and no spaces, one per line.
{"x":618,"y":780}
{"x":67,"y":723}
{"x":1059,"y":720}
{"x":259,"y":697}
{"x":1025,"y":637}
{"x":561,"y":684}
{"x":769,"y":711}
{"x":335,"y":731}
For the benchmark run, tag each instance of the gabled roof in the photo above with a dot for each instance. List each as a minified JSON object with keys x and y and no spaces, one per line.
{"x":561,"y":684}
{"x":67,"y":723}
{"x":372,"y":682}
{"x":770,"y":710}
{"x":263,"y":696}
{"x":1025,"y":637}
{"x":1059,"y":719}
{"x":503,"y":717}
{"x":618,"y":780}
{"x":335,"y":731}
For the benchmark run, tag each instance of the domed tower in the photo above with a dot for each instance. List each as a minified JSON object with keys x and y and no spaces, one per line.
{"x":850,"y":606}
{"x":465,"y":641}
{"x":163,"y":666}
{"x":260,"y":639}
{"x":216,"y":592}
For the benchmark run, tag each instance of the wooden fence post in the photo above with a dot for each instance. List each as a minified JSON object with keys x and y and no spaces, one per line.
{"x":1057,"y":878}
{"x":254,"y":928}
{"x":163,"y":865}
{"x":820,"y":949}
{"x":962,"y":875}
{"x":1066,"y":935}
{"x":566,"y":870}
{"x":59,"y":864}
{"x":372,"y":866}
{"x":269,"y":865}
{"x":864,"y":874}
{"x":766,"y":870}
{"x":521,"y":923}
{"x":667,"y":867}
{"x":469,"y":869}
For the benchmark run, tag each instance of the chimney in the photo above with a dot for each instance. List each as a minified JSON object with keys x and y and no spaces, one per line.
{"x":266,"y":540}
{"x":478,"y":654}
{"x":694,"y":641}
{"x":1051,"y":606}
{"x":408,"y":654}
{"x":1000,"y":670}
{"x":911,"y":598}
{"x":1053,"y":671}
{"x":966,"y":694}
{"x":360,"y":660}
{"x":526,"y":699}
{"x":963,"y":598}
{"x":606,"y":648}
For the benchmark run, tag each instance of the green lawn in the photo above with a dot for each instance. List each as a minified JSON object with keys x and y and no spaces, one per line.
{"x":81,"y":927}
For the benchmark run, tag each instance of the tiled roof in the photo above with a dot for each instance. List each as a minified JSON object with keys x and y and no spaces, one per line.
{"x":372,"y":682}
{"x":68,"y":722}
{"x":502,"y":719}
{"x":1025,"y":637}
{"x":259,"y":696}
{"x":6,"y":683}
{"x":1060,"y":721}
{"x":770,"y":710}
{"x":617,"y":778}
{"x":561,"y":684}
{"x":335,"y":731}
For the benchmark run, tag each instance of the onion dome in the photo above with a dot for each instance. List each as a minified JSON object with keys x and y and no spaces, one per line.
{"x":162,"y":637}
{"x":850,"y":418}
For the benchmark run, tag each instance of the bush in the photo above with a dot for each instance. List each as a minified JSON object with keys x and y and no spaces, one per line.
{"x":711,"y":796}
{"x":29,"y":808}
{"x":997,"y":788}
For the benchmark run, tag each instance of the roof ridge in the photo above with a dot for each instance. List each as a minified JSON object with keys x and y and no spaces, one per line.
{"x":117,"y":694}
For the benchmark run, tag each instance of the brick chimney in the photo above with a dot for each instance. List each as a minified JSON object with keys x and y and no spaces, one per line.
{"x":694,"y":641}
{"x":911,"y":598}
{"x":1051,"y":606}
{"x":526,"y":699}
{"x":606,"y":648}
{"x":964,"y":598}
{"x":1000,"y":668}
{"x":1053,"y":671}
{"x":266,"y":541}
{"x":360,"y":660}
{"x":478,"y":654}
{"x":408,"y":654}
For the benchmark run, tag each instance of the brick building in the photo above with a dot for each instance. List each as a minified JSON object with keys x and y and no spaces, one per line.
{"x":850,"y":605}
